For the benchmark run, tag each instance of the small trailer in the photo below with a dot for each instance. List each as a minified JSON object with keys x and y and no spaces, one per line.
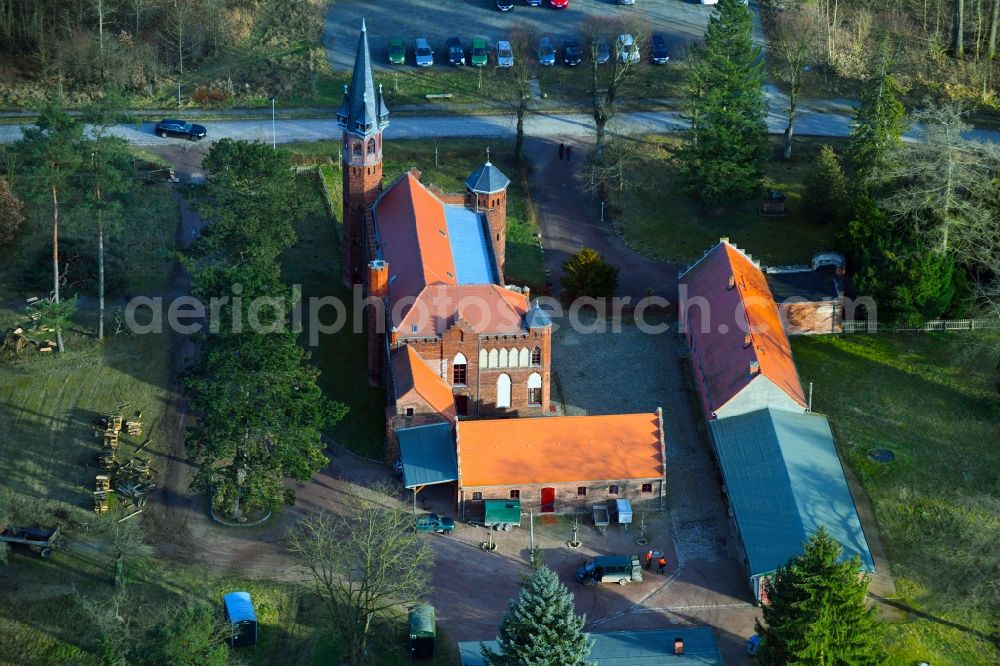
{"x":502,"y":514}
{"x":601,"y":518}
{"x":621,"y":509}
{"x":37,"y":539}
{"x":241,"y":617}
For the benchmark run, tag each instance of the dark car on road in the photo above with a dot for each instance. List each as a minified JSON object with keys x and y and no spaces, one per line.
{"x":658,"y":53}
{"x":456,"y":54}
{"x":167,"y":127}
{"x":534,"y":3}
{"x":572,"y":53}
{"x":505,"y":5}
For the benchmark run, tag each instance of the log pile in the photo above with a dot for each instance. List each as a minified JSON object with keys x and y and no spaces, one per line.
{"x":30,"y":334}
{"x":130,"y":480}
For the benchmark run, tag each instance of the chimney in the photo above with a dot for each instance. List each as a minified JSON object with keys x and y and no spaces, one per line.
{"x":754,"y":367}
{"x":724,"y":239}
{"x":678,"y":646}
{"x":527,"y":294}
{"x":732,"y":281}
{"x":415,"y":172}
{"x":747,"y":340}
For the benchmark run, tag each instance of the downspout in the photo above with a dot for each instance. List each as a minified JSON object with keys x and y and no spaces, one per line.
{"x":460,"y":495}
{"x":663,"y":459}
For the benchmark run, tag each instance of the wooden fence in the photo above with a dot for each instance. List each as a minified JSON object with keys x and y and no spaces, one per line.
{"x":936,"y":325}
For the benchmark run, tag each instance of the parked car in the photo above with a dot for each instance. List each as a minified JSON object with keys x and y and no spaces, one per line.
{"x":505,"y":5}
{"x":546,"y":52}
{"x":628,"y":50}
{"x":167,"y":127}
{"x":422,"y":53}
{"x":505,"y":54}
{"x":658,"y":53}
{"x":431,"y":522}
{"x":603,"y":50}
{"x":480,"y":52}
{"x":397,"y":52}
{"x":559,"y":4}
{"x":534,"y":3}
{"x":456,"y":54}
{"x":572,"y":53}
{"x":626,"y":2}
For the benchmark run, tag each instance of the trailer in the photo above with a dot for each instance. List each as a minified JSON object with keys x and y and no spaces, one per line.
{"x":502,"y":514}
{"x":601,"y":518}
{"x":621,"y":509}
{"x":38,"y":539}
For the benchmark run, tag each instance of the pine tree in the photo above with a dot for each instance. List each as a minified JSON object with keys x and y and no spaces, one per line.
{"x":825,"y":196}
{"x":877,"y":131}
{"x":540,"y":628}
{"x":727,"y":143}
{"x":817,"y":612}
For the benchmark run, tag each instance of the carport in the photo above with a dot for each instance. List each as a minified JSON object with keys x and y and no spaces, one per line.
{"x":427,"y":454}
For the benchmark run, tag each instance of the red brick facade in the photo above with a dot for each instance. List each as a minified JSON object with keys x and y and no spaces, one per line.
{"x":361,"y":162}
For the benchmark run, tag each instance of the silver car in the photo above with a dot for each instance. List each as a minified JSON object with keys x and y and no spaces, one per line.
{"x":505,"y":54}
{"x":424,"y":54}
{"x":628,"y":50}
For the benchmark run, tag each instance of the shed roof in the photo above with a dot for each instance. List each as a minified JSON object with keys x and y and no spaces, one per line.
{"x":411,"y":373}
{"x":719,"y":329}
{"x":428,"y":455}
{"x":816,"y":284}
{"x":239,"y":607}
{"x":633,"y":648}
{"x":559,"y":449}
{"x":784,"y":480}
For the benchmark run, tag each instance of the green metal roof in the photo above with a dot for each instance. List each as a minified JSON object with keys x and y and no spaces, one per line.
{"x":428,"y":455}
{"x":784,"y":480}
{"x":633,"y":648}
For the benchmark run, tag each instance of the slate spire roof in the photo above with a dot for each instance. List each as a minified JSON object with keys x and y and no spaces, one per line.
{"x":363,"y":111}
{"x":487,"y":179}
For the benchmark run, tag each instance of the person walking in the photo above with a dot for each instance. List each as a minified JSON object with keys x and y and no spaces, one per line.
{"x":649,"y":561}
{"x":663,"y":565}
{"x":569,"y":153}
{"x":562,"y":150}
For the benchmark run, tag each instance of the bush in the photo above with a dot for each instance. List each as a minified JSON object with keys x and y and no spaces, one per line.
{"x":587,"y":274}
{"x":11,"y":214}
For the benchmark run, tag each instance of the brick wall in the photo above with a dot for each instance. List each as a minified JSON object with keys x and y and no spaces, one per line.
{"x":397,"y":418}
{"x":362,"y":183}
{"x":567,"y":499}
{"x":814,"y":317}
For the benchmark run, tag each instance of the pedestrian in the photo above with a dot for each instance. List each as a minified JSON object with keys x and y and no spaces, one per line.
{"x":663,"y":565}
{"x":562,"y":150}
{"x":649,"y":561}
{"x":569,"y":153}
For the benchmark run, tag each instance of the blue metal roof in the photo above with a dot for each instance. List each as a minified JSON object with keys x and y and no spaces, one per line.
{"x":784,"y":480}
{"x":470,"y":246}
{"x":487,"y":178}
{"x":428,"y":455}
{"x":537,"y":317}
{"x":239,"y":607}
{"x":633,"y":648}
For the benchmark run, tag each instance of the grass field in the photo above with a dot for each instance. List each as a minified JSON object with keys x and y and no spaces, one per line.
{"x":934,"y":402}
{"x":664,"y":222}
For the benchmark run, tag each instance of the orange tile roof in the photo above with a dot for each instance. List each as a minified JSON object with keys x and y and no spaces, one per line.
{"x":559,"y":449}
{"x":489,"y":308}
{"x":413,"y":374}
{"x":748,"y":306}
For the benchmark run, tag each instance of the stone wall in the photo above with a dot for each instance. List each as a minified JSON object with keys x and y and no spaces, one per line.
{"x":567,"y":497}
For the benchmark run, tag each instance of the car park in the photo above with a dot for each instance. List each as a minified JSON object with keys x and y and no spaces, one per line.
{"x":431,"y":522}
{"x":559,"y":4}
{"x":572,"y":53}
{"x":603,"y":50}
{"x":422,"y":53}
{"x":628,"y":50}
{"x":505,"y":5}
{"x":456,"y":54}
{"x":505,"y":54}
{"x":658,"y":53}
{"x":546,"y":52}
{"x":397,"y":52}
{"x":182,"y":128}
{"x":480,"y":55}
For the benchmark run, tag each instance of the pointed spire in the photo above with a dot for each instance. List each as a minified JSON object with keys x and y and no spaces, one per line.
{"x":363,"y":28}
{"x":364,"y":113}
{"x":488,"y":156}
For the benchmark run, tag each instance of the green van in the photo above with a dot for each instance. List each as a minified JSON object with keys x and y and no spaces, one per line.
{"x":621,"y":569}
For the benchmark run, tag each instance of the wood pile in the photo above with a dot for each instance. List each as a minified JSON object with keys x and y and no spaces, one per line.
{"x":131,"y":480}
{"x":19,"y":339}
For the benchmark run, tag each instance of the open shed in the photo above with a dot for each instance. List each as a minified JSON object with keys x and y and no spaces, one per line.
{"x":241,"y":617}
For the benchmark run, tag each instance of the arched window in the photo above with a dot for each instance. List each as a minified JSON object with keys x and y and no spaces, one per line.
{"x":357,"y":148}
{"x":494,"y":359}
{"x":536,"y":356}
{"x":458,"y":369}
{"x":371,"y":146}
{"x":524,"y":358}
{"x":535,"y":389}
{"x":504,"y":358}
{"x":514,"y":360}
{"x":484,"y":360}
{"x":503,"y":391}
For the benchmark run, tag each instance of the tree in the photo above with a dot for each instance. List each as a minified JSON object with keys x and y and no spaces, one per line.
{"x":11,"y":214}
{"x":188,"y":636}
{"x":540,"y":627}
{"x":825,"y":195}
{"x":620,"y":170}
{"x":959,"y":29}
{"x":792,"y":39}
{"x":877,"y":131}
{"x":365,"y":562}
{"x":816,"y":612}
{"x":523,"y":71}
{"x":51,"y":153}
{"x":587,"y":274}
{"x":727,"y":144}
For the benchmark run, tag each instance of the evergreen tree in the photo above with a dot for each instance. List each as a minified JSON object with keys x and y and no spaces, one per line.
{"x":817,"y":612}
{"x":876,"y":134}
{"x":727,"y":143}
{"x":587,"y":274}
{"x":826,"y":188}
{"x":540,"y":627}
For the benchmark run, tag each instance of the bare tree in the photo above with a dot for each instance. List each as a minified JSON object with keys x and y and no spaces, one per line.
{"x":791,"y":41}
{"x":959,"y":29}
{"x":523,"y":72}
{"x":179,"y":25}
{"x":618,"y":172}
{"x":365,"y":562}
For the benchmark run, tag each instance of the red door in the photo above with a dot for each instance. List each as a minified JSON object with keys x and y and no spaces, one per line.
{"x":548,"y":500}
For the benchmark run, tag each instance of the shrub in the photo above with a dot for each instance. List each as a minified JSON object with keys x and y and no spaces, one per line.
{"x":587,"y":274}
{"x":825,"y":195}
{"x":11,"y":214}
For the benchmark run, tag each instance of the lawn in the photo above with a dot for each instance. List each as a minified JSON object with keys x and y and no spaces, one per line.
{"x":660,"y":220}
{"x":932,"y":401}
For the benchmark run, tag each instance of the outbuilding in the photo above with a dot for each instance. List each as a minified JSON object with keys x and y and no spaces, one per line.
{"x":241,"y":618}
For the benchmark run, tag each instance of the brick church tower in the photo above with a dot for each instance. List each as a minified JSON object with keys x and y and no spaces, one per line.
{"x":362,"y":117}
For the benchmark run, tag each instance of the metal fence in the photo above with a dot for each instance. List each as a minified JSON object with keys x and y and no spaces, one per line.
{"x":936,"y":325}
